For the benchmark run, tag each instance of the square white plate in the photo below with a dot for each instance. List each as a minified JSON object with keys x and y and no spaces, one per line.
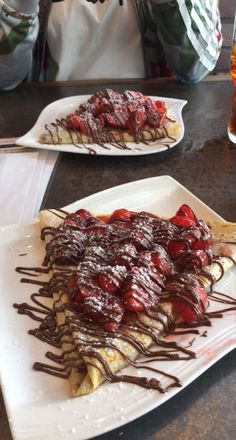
{"x":63,"y":107}
{"x":39,"y":406}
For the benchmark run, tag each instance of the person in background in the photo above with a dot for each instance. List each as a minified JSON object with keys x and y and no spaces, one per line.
{"x":58,"y":40}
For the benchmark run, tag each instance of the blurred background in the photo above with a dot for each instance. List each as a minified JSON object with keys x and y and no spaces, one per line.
{"x":227,"y":11}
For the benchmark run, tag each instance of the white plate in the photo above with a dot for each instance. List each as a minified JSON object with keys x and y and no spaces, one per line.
{"x":63,"y":107}
{"x":39,"y":406}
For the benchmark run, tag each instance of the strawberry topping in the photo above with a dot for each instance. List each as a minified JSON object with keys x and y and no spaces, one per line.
{"x":188,"y":297}
{"x":131,"y":262}
{"x":130,"y":111}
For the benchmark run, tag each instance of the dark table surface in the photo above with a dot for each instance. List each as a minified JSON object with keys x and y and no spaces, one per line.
{"x":205,"y":163}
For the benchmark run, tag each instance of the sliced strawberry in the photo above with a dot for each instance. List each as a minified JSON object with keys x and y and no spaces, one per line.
{"x":78,"y":122}
{"x":183,"y":222}
{"x":114,"y":120}
{"x":121,"y":228}
{"x":136,"y":119}
{"x":190,"y":235}
{"x":132,"y":303}
{"x":205,"y":240}
{"x":111,"y":278}
{"x":202,"y":244}
{"x":77,"y":219}
{"x":98,"y":232}
{"x":80,"y":288}
{"x":144,"y":216}
{"x":74,"y":221}
{"x":130,"y":95}
{"x":141,"y":237}
{"x":176,"y":248}
{"x":105,"y":309}
{"x":125,"y":255}
{"x":188,"y":296}
{"x":194,"y":260}
{"x":86,"y":292}
{"x":100,"y":102}
{"x":107,"y":284}
{"x":141,"y":289}
{"x":83,"y":213}
{"x":110,"y":326}
{"x":121,"y":215}
{"x":191,"y":312}
{"x":161,"y":106}
{"x":186,"y":211}
{"x":162,"y":261}
{"x":156,"y":112}
{"x":111,"y":95}
{"x":73,"y":283}
{"x":95,"y":105}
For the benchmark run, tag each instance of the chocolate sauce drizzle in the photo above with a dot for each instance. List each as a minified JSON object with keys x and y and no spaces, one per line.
{"x":120,"y":251}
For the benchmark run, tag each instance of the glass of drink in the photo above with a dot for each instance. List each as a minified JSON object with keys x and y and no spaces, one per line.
{"x":232,"y":121}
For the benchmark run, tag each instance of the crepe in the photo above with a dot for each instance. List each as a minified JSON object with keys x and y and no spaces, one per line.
{"x":109,"y":117}
{"x":93,"y":362}
{"x":59,"y":135}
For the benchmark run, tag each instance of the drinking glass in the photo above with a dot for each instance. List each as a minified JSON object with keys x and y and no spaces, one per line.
{"x":232,"y":120}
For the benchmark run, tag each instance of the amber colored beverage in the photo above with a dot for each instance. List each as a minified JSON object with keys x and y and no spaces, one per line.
{"x":233,"y":63}
{"x":232,"y":121}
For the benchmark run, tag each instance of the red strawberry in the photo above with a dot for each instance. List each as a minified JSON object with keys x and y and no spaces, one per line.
{"x":161,"y":106}
{"x":141,"y":289}
{"x":188,"y":297}
{"x":130,"y":95}
{"x":183,"y":222}
{"x":133,"y":301}
{"x":80,"y":288}
{"x":110,"y":326}
{"x":162,"y":262}
{"x":111,"y":120}
{"x":74,"y":222}
{"x":111,"y":95}
{"x":121,"y":215}
{"x":190,"y":312}
{"x":125,"y":255}
{"x":78,"y":122}
{"x":193,"y":260}
{"x":104,"y":309}
{"x":73,"y":282}
{"x":98,"y":232}
{"x":86,"y":292}
{"x":137,"y":119}
{"x":186,"y":211}
{"x":83,"y":213}
{"x":202,"y":245}
{"x":156,"y":112}
{"x":176,"y":248}
{"x":111,"y":278}
{"x":190,"y":235}
{"x":107,"y":284}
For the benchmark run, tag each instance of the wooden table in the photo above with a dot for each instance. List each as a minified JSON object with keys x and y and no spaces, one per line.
{"x":205,"y":163}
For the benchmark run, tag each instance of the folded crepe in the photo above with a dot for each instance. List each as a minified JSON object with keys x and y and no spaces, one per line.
{"x":113,"y":118}
{"x":93,"y":355}
{"x":55,"y":134}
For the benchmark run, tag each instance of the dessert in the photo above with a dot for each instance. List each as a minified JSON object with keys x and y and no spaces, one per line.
{"x":119,"y":284}
{"x":109,"y":117}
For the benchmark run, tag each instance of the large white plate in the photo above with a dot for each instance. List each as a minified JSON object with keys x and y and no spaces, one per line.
{"x":63,"y":107}
{"x":39,"y":406}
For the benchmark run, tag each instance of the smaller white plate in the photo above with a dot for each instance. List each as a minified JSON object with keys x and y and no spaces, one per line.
{"x":63,"y":107}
